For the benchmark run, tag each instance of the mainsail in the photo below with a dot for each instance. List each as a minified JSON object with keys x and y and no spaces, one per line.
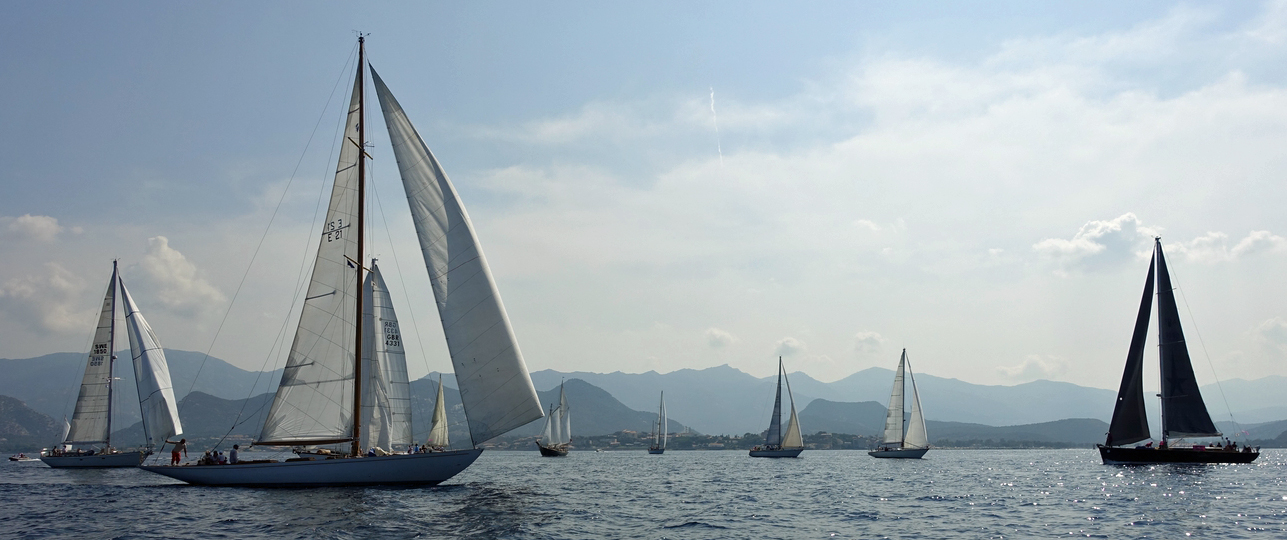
{"x":1184,"y":414}
{"x":495,"y":387}
{"x":91,"y":422}
{"x":659,"y":438}
{"x":386,"y":403}
{"x":894,"y":415}
{"x":774,"y":435}
{"x":152,"y":374}
{"x":438,"y":430}
{"x":314,"y":403}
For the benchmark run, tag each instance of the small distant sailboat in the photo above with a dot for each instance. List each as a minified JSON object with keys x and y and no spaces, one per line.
{"x":659,"y":429}
{"x":91,"y":423}
{"x":556,"y":437}
{"x":781,"y":442}
{"x":1184,"y":413}
{"x":912,"y":442}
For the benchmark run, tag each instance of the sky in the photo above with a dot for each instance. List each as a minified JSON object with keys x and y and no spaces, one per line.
{"x":670,"y":185}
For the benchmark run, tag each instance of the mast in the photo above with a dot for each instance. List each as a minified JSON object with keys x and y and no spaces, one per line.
{"x":1161,"y":369}
{"x":361,"y":222}
{"x":111,"y":356}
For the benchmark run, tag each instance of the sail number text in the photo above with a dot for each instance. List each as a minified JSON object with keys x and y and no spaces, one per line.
{"x":334,"y":230}
{"x":392,"y":338}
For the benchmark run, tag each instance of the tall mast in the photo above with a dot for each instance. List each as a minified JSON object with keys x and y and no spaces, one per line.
{"x":1157,"y":279}
{"x":361,"y":222}
{"x":111,"y":356}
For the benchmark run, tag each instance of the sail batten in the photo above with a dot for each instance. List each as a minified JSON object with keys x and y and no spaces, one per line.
{"x":495,"y":387}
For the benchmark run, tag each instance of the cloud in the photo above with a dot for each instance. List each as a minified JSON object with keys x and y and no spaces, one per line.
{"x":789,"y":346}
{"x":49,"y":302}
{"x":719,"y":338}
{"x":1272,"y":333}
{"x":175,"y":281}
{"x":1213,"y":246}
{"x":1034,"y":367}
{"x":866,"y":343}
{"x":1097,"y":244}
{"x":38,"y":228}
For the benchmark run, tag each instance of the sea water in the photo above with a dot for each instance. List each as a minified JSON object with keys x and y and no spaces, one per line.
{"x":683,"y":494}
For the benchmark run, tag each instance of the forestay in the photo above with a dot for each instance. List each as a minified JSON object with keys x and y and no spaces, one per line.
{"x":152,"y":375}
{"x":495,"y":387}
{"x":314,"y":403}
{"x":91,"y":421}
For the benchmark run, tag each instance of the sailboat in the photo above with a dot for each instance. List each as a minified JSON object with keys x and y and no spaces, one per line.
{"x":781,"y":442}
{"x":320,"y":398}
{"x":912,"y":442}
{"x":91,"y":422}
{"x":556,"y":436}
{"x":1184,"y":413}
{"x":659,"y":429}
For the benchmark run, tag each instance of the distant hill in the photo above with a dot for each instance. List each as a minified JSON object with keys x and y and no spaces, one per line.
{"x":595,"y":412}
{"x":22,"y":429}
{"x":866,"y":418}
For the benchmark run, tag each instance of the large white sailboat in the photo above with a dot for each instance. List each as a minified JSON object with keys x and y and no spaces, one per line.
{"x":556,"y":436}
{"x":321,"y":395}
{"x":781,"y":441}
{"x":659,"y":429}
{"x":91,"y":423}
{"x":911,"y":440}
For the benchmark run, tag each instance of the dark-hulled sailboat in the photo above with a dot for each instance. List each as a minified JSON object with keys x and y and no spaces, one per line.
{"x":781,"y":441}
{"x":1184,"y":414}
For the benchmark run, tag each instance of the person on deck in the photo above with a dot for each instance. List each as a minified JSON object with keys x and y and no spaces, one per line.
{"x":181,"y":446}
{"x":232,"y":455}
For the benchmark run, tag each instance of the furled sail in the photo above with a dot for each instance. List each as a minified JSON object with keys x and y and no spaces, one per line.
{"x":314,"y":402}
{"x":91,"y":421}
{"x":565,"y":418}
{"x":1184,"y":414}
{"x":495,"y":387}
{"x":1130,"y":422}
{"x":152,"y":374}
{"x":791,"y":437}
{"x":659,"y":439}
{"x":894,"y":414}
{"x":386,"y":404}
{"x":438,"y":430}
{"x":917,"y":436}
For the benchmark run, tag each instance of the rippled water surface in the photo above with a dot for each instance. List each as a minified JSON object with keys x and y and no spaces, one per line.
{"x":823,"y":494}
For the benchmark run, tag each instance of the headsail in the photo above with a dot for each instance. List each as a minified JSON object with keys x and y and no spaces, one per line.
{"x":1130,"y":422}
{"x":386,"y":404}
{"x":1184,"y":414}
{"x":314,"y":403}
{"x":791,"y":437}
{"x":495,"y":387}
{"x":438,"y":430}
{"x":916,"y":437}
{"x":894,"y":414}
{"x":92,"y":420}
{"x":152,"y":374}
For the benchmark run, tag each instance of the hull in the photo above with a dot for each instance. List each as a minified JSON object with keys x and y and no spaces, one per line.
{"x":97,"y":461}
{"x":656,"y":450}
{"x":403,"y":469}
{"x":552,"y":451}
{"x":1119,"y":455}
{"x":787,"y":452}
{"x":899,"y":453}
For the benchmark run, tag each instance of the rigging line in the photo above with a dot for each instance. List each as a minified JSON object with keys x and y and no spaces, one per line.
{"x":1210,"y":364}
{"x":263,"y":237}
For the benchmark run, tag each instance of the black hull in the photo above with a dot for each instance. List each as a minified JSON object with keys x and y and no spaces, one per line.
{"x":1120,"y":455}
{"x":552,"y":451}
{"x":656,"y":450}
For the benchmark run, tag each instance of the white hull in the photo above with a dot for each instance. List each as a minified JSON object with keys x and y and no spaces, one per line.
{"x":900,"y":453}
{"x":97,"y":461}
{"x":413,"y":469}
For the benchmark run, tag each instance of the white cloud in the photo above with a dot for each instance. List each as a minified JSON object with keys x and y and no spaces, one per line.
{"x":48,"y":302}
{"x":1096,"y":244}
{"x":789,"y":346}
{"x":175,"y":281}
{"x":38,"y":228}
{"x":1272,"y":333}
{"x":866,"y":343}
{"x":1213,"y":247}
{"x":1034,"y":367}
{"x":717,"y":338}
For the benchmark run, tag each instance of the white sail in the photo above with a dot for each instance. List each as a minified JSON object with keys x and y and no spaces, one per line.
{"x":91,"y":421}
{"x":314,"y":402}
{"x":894,"y":415}
{"x":386,"y":393}
{"x":917,"y":437}
{"x":791,"y":438}
{"x":152,"y":374}
{"x":438,"y":430}
{"x":556,"y":426}
{"x":547,"y":432}
{"x":63,"y":436}
{"x":495,"y":387}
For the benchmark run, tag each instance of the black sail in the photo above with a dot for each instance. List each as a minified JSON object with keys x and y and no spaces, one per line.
{"x":1184,"y":414}
{"x":1130,"y":423}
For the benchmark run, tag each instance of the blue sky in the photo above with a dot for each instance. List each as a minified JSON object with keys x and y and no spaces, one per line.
{"x":975,"y":182}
